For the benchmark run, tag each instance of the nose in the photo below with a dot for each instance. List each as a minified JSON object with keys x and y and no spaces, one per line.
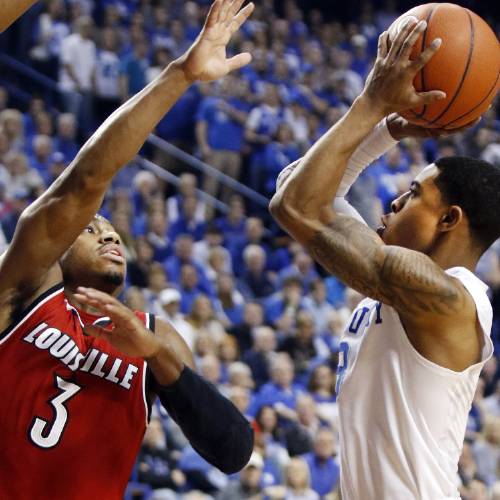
{"x":398,"y":203}
{"x":109,"y":237}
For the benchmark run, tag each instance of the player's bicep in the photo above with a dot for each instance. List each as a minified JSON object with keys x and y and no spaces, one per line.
{"x":414,"y":283}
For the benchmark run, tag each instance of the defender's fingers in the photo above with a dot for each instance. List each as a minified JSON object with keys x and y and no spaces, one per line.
{"x":89,"y":301}
{"x":119,"y":314}
{"x":235,"y":7}
{"x":239,"y":61}
{"x":398,"y":41}
{"x":213,"y":14}
{"x":411,"y":40}
{"x":242,"y":16}
{"x":225,"y":12}
{"x":427,"y":55}
{"x":94,"y":294}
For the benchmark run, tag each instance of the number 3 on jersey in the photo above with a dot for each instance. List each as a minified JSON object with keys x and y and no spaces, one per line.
{"x":45,"y":434}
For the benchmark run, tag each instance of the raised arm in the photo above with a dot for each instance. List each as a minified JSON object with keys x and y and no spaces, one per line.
{"x":11,"y":10}
{"x":50,"y":225}
{"x":407,"y":280}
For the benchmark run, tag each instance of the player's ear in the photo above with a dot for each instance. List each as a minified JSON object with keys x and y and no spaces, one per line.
{"x":450,"y":220}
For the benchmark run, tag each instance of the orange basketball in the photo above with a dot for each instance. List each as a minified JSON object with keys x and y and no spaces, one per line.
{"x":466,"y":67}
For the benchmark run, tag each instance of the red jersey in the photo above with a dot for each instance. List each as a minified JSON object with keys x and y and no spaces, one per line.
{"x":74,"y":409}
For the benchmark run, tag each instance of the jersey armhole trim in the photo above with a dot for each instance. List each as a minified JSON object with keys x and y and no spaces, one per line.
{"x":147,"y":376}
{"x":442,"y":370}
{"x":28,"y":311}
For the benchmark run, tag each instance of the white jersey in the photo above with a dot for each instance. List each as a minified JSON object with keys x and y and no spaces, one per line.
{"x":402,"y":417}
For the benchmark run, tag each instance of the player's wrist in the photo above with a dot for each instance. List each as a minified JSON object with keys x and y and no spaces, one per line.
{"x":371,"y":106}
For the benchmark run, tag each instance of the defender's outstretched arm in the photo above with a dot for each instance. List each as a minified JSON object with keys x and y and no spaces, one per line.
{"x":50,"y":225}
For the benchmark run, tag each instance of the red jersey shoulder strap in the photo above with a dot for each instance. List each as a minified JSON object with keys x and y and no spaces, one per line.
{"x":23,"y":315}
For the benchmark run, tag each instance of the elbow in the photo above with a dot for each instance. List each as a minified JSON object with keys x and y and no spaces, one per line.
{"x":284,"y":210}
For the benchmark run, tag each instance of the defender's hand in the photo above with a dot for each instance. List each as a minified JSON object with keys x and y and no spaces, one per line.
{"x":401,"y":128}
{"x":128,"y":334}
{"x":206,"y":59}
{"x":389,"y":87}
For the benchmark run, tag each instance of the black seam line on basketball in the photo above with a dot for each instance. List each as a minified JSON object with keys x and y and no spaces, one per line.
{"x":477,"y":105}
{"x":422,"y":71}
{"x":464,"y":75}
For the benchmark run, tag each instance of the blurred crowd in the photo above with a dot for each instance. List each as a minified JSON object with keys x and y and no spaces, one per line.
{"x":262,"y":319}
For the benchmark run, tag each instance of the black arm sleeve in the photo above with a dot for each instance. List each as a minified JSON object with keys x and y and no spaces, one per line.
{"x":211,"y":423}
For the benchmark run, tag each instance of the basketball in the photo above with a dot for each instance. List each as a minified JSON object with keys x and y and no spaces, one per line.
{"x":466,"y":67}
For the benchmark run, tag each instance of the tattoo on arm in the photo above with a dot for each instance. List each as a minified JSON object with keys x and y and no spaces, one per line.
{"x":407,"y":280}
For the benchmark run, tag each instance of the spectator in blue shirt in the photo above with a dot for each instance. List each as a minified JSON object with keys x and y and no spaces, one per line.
{"x":156,"y":235}
{"x":256,"y":282}
{"x":281,"y":392}
{"x":65,"y":140}
{"x":183,"y":254}
{"x":40,"y":161}
{"x":190,"y":287}
{"x":253,"y":317}
{"x":302,"y":267}
{"x":278,"y":154}
{"x":317,"y":305}
{"x":36,"y":105}
{"x":257,"y":73}
{"x":178,"y":125}
{"x":133,"y":69}
{"x":324,"y":470}
{"x":386,"y":173}
{"x":302,"y":346}
{"x":220,"y":128}
{"x":231,"y":300}
{"x":285,"y":303}
{"x":187,"y":222}
{"x":259,"y":357}
{"x":232,"y":225}
{"x":107,"y":75}
{"x":187,"y":188}
{"x":262,"y":124}
{"x":254,"y":235}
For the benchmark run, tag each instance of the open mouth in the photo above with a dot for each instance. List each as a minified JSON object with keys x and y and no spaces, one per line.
{"x":383,"y":226}
{"x":113,"y":254}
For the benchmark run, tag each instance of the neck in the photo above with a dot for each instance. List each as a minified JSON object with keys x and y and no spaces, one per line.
{"x":448,"y":252}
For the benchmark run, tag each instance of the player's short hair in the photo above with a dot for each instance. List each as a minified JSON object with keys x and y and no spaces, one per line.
{"x":473,"y":185}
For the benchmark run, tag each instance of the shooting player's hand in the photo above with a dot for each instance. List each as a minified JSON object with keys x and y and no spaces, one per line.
{"x":389,"y":87}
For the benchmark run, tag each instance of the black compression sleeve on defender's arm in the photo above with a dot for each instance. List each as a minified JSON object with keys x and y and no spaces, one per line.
{"x":211,"y":423}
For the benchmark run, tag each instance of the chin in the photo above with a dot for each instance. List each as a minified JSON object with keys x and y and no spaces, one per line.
{"x":114,"y":278}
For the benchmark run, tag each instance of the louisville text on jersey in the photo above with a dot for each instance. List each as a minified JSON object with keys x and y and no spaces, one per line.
{"x":95,"y":362}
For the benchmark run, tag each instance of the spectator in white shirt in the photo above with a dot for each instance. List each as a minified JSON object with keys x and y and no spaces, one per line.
{"x":50,"y":30}
{"x":168,"y":308}
{"x":78,"y":58}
